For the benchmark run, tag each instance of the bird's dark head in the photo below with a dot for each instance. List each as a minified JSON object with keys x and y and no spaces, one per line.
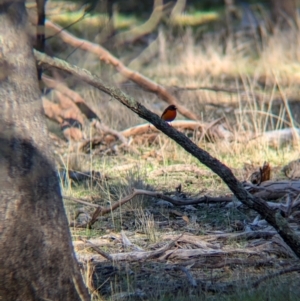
{"x":172,"y":107}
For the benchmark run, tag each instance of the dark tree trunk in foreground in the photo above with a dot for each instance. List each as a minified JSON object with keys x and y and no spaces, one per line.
{"x":37,"y":261}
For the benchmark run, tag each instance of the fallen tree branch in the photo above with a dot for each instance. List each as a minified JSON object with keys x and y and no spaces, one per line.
{"x":136,"y":255}
{"x":176,"y":202}
{"x":74,"y":96}
{"x":272,"y":190}
{"x":203,"y":240}
{"x":108,"y":58}
{"x":146,"y":127}
{"x":212,"y":88}
{"x":273,"y":217}
{"x":219,"y":263}
{"x":102,"y":127}
{"x":185,"y":254}
{"x":279,"y":137}
{"x":213,"y":130}
{"x":195,"y":257}
{"x":80,"y":201}
{"x":100,"y":210}
{"x":97,"y":249}
{"x":241,"y":236}
{"x":184,"y":202}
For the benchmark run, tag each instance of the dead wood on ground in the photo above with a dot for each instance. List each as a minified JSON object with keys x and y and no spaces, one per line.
{"x":273,"y":190}
{"x":182,"y":254}
{"x":279,"y":137}
{"x":172,"y":279}
{"x":205,"y":255}
{"x":100,"y":210}
{"x":67,"y":115}
{"x":136,"y":255}
{"x":108,"y":58}
{"x":71,"y":94}
{"x":215,"y":130}
{"x":102,"y":127}
{"x":288,"y":188}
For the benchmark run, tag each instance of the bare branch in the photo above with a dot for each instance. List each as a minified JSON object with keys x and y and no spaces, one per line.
{"x":74,"y":96}
{"x":80,"y":201}
{"x":212,"y":130}
{"x":108,"y":58}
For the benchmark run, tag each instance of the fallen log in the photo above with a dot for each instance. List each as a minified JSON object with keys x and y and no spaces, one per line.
{"x":273,"y":190}
{"x":279,"y":137}
{"x":213,"y":131}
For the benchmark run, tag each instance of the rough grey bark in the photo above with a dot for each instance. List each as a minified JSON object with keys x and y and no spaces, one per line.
{"x":37,"y":260}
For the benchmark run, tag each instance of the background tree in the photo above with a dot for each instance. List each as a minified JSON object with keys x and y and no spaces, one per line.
{"x":37,"y":261}
{"x":284,"y":13}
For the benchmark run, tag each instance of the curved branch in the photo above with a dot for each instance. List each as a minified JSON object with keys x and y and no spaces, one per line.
{"x":108,"y":58}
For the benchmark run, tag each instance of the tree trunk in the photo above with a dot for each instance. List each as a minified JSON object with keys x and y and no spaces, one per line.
{"x":37,"y":260}
{"x":284,"y":13}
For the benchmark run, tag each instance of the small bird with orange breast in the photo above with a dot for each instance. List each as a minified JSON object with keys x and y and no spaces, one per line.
{"x":169,"y":113}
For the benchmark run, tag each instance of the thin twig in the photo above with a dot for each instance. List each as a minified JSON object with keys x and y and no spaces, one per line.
{"x":167,"y":247}
{"x":80,"y":201}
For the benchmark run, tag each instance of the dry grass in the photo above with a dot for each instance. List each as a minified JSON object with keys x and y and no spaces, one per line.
{"x":263,"y":80}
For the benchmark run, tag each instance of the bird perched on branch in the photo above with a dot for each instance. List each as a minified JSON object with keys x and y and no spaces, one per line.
{"x":169,"y":113}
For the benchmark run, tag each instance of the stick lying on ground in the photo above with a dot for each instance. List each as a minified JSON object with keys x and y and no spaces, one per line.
{"x":213,"y":131}
{"x":74,"y":96}
{"x":285,"y":209}
{"x":100,"y":210}
{"x":136,"y":255}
